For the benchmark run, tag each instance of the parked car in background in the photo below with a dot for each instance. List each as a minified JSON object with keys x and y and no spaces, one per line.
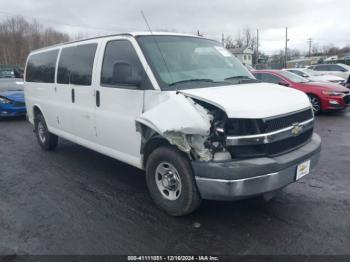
{"x":340,"y":70}
{"x":323,"y":96}
{"x":315,"y":76}
{"x":180,"y":107}
{"x":12,"y":98}
{"x":11,"y":73}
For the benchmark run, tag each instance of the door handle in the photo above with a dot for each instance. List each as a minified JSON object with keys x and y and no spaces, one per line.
{"x":98,"y":102}
{"x":73,"y":95}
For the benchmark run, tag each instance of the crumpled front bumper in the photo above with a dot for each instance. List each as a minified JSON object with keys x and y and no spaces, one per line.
{"x":239,"y":179}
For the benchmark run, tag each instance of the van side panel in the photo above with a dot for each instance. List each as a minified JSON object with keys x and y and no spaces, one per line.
{"x":115,"y":120}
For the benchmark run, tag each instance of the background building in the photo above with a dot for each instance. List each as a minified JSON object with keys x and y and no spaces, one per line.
{"x":244,"y":54}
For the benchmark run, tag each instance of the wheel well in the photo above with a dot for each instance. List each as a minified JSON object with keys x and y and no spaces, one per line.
{"x":36,"y":112}
{"x":153,"y":143}
{"x":311,"y":94}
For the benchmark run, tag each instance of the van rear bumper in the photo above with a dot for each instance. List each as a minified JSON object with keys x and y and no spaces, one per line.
{"x":239,"y":179}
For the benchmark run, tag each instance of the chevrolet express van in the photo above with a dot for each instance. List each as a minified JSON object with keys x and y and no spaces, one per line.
{"x":180,"y":107}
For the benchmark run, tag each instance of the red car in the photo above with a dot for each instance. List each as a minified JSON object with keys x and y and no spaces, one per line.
{"x":323,"y":96}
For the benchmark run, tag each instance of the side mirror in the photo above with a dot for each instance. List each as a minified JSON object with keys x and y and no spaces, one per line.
{"x":124,"y":74}
{"x":283,"y":83}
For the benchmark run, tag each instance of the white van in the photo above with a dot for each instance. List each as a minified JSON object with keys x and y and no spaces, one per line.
{"x":180,"y":107}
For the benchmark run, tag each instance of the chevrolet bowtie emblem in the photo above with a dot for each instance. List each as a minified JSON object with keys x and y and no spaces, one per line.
{"x":297,"y":128}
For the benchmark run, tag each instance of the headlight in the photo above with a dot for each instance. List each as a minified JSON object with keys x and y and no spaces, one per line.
{"x":332,"y":93}
{"x":4,"y":100}
{"x":219,"y":128}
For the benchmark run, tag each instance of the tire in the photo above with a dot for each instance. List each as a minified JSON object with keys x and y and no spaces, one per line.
{"x":316,"y":104}
{"x":46,"y":140}
{"x":170,"y":181}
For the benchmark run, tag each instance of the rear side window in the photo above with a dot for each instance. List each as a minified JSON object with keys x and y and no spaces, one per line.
{"x":76,"y":64}
{"x":119,"y":51}
{"x":41,"y":67}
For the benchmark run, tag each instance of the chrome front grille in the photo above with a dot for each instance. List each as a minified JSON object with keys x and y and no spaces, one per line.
{"x":280,"y":122}
{"x":274,"y":135}
{"x":289,"y":144}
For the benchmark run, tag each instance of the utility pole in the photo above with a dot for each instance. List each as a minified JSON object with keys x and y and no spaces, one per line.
{"x":310,"y":45}
{"x":286,"y":49}
{"x":257,"y":46}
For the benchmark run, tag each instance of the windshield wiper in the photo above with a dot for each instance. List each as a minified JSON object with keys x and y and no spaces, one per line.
{"x":239,"y":77}
{"x":242,"y":79}
{"x":192,"y":80}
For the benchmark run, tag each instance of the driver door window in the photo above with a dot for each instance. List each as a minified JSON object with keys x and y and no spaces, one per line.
{"x":121,"y":62}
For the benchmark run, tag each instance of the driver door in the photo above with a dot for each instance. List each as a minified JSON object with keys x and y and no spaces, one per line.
{"x":120,"y":103}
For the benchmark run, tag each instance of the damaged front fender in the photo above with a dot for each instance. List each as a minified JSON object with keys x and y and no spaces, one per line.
{"x":182,"y":122}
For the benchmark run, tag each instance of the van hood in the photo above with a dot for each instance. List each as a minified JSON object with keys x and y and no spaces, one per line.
{"x":258,"y":100}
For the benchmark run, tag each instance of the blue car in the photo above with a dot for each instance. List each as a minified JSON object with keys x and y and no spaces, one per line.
{"x":12,"y":98}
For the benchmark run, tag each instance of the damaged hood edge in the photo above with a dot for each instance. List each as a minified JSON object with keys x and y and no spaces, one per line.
{"x":177,"y":114}
{"x":258,"y":100}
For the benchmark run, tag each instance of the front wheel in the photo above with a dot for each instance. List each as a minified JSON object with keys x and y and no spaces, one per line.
{"x":316,"y":104}
{"x":46,"y":140}
{"x":170,"y":181}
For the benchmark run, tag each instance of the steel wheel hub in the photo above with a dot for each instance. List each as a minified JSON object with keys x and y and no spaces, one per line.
{"x":168,"y":181}
{"x":41,"y":132}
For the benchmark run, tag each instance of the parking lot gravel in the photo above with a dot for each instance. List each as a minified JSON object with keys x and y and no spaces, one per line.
{"x":76,"y":201}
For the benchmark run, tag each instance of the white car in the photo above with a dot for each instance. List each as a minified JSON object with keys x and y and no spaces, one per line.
{"x":180,"y":107}
{"x":340,"y":70}
{"x":316,"y":76}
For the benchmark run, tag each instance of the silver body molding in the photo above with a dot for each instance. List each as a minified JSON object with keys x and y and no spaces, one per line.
{"x":232,"y":189}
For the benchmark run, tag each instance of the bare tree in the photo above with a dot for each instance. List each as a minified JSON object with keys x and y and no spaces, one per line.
{"x":239,"y":41}
{"x":18,"y":37}
{"x":249,"y":38}
{"x":229,"y":42}
{"x":244,"y":38}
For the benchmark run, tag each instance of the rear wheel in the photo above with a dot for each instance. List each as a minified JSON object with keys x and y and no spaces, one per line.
{"x":170,"y":181}
{"x":46,"y":140}
{"x":316,"y":104}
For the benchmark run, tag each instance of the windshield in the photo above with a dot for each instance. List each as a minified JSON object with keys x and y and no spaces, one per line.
{"x":298,"y":72}
{"x":293,"y":77}
{"x":181,"y":62}
{"x":311,"y":72}
{"x":12,"y":84}
{"x":345,"y":66}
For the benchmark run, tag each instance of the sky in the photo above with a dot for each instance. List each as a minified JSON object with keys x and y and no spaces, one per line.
{"x":325,"y":21}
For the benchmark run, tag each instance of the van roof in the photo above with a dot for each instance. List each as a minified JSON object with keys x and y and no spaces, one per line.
{"x":132,"y":34}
